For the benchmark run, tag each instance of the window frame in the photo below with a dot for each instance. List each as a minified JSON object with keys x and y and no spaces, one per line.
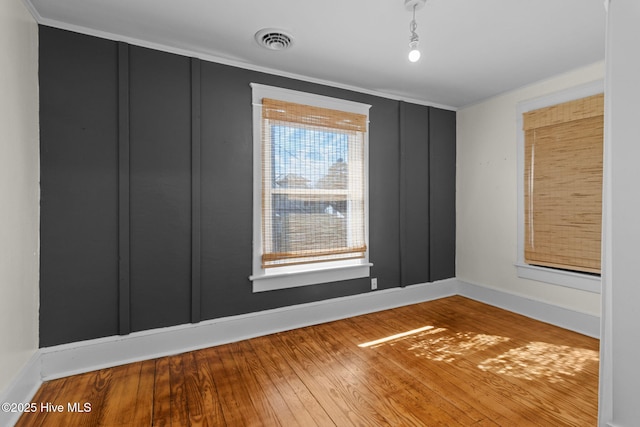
{"x":571,"y":279}
{"x":272,"y":278}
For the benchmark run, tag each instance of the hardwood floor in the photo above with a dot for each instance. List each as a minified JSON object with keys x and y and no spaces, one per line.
{"x":448,"y":362}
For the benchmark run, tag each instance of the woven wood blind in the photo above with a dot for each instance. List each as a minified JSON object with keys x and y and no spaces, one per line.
{"x":313,"y":116}
{"x":563,"y":184}
{"x":313,"y":181}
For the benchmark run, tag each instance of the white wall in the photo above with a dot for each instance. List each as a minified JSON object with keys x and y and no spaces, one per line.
{"x":620,"y":345}
{"x":19,"y":189}
{"x":486,"y":242}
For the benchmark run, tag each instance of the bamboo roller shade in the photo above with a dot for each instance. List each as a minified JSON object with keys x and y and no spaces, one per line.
{"x":563,"y":184}
{"x":304,"y":235}
{"x":309,"y":115}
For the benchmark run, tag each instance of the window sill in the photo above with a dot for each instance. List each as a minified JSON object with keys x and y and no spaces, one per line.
{"x":293,"y":279}
{"x":568,"y":279}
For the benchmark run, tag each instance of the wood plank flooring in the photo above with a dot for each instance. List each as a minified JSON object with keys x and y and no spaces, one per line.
{"x":450,"y":362}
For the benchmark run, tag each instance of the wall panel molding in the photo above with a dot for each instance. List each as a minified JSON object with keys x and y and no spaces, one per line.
{"x":124,"y":174}
{"x":196,"y":194}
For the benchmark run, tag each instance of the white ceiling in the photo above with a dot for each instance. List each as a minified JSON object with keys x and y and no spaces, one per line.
{"x":471,"y":49}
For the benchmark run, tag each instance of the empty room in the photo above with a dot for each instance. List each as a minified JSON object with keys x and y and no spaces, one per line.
{"x":399,"y":212}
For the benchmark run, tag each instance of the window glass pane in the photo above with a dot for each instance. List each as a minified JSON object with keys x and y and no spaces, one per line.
{"x":300,"y":224}
{"x":311,"y":221}
{"x":308,"y":158}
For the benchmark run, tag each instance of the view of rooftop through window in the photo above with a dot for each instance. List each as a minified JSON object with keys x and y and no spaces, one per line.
{"x":309,"y":158}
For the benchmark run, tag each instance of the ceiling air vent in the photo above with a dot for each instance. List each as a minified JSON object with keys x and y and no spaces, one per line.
{"x":273,"y":39}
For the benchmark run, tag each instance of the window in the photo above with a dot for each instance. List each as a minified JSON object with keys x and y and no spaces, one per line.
{"x":310,"y":189}
{"x":560,"y":207}
{"x":563,"y":184}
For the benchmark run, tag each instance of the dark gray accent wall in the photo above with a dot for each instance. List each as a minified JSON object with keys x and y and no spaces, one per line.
{"x":146,"y":161}
{"x":79,"y":188}
{"x":414,"y":194}
{"x":442,"y":194}
{"x":160,"y":188}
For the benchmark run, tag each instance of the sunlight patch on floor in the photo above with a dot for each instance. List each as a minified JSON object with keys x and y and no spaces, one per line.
{"x":541,"y":360}
{"x":394,"y":337}
{"x":449,"y":347}
{"x":535,"y":360}
{"x":438,"y":344}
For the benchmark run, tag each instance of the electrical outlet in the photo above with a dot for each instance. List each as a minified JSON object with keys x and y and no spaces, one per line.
{"x":374,"y":283}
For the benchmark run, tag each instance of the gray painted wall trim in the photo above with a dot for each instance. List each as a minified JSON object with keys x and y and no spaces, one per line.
{"x":196,"y":191}
{"x":124,"y":213}
{"x":85,"y":356}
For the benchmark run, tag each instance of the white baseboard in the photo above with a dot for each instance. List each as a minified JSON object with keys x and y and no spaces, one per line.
{"x":85,"y":356}
{"x":22,"y":388}
{"x":583,"y":323}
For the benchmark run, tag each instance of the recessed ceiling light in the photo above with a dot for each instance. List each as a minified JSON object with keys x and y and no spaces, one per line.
{"x":273,"y":39}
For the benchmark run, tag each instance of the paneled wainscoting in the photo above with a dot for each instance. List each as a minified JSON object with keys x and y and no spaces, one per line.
{"x":452,"y":361}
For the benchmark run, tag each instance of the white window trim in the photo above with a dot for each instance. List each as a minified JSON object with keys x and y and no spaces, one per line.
{"x":312,"y":273}
{"x":585,"y":282}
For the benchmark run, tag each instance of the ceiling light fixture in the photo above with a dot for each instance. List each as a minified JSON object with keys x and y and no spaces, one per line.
{"x":413,"y":5}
